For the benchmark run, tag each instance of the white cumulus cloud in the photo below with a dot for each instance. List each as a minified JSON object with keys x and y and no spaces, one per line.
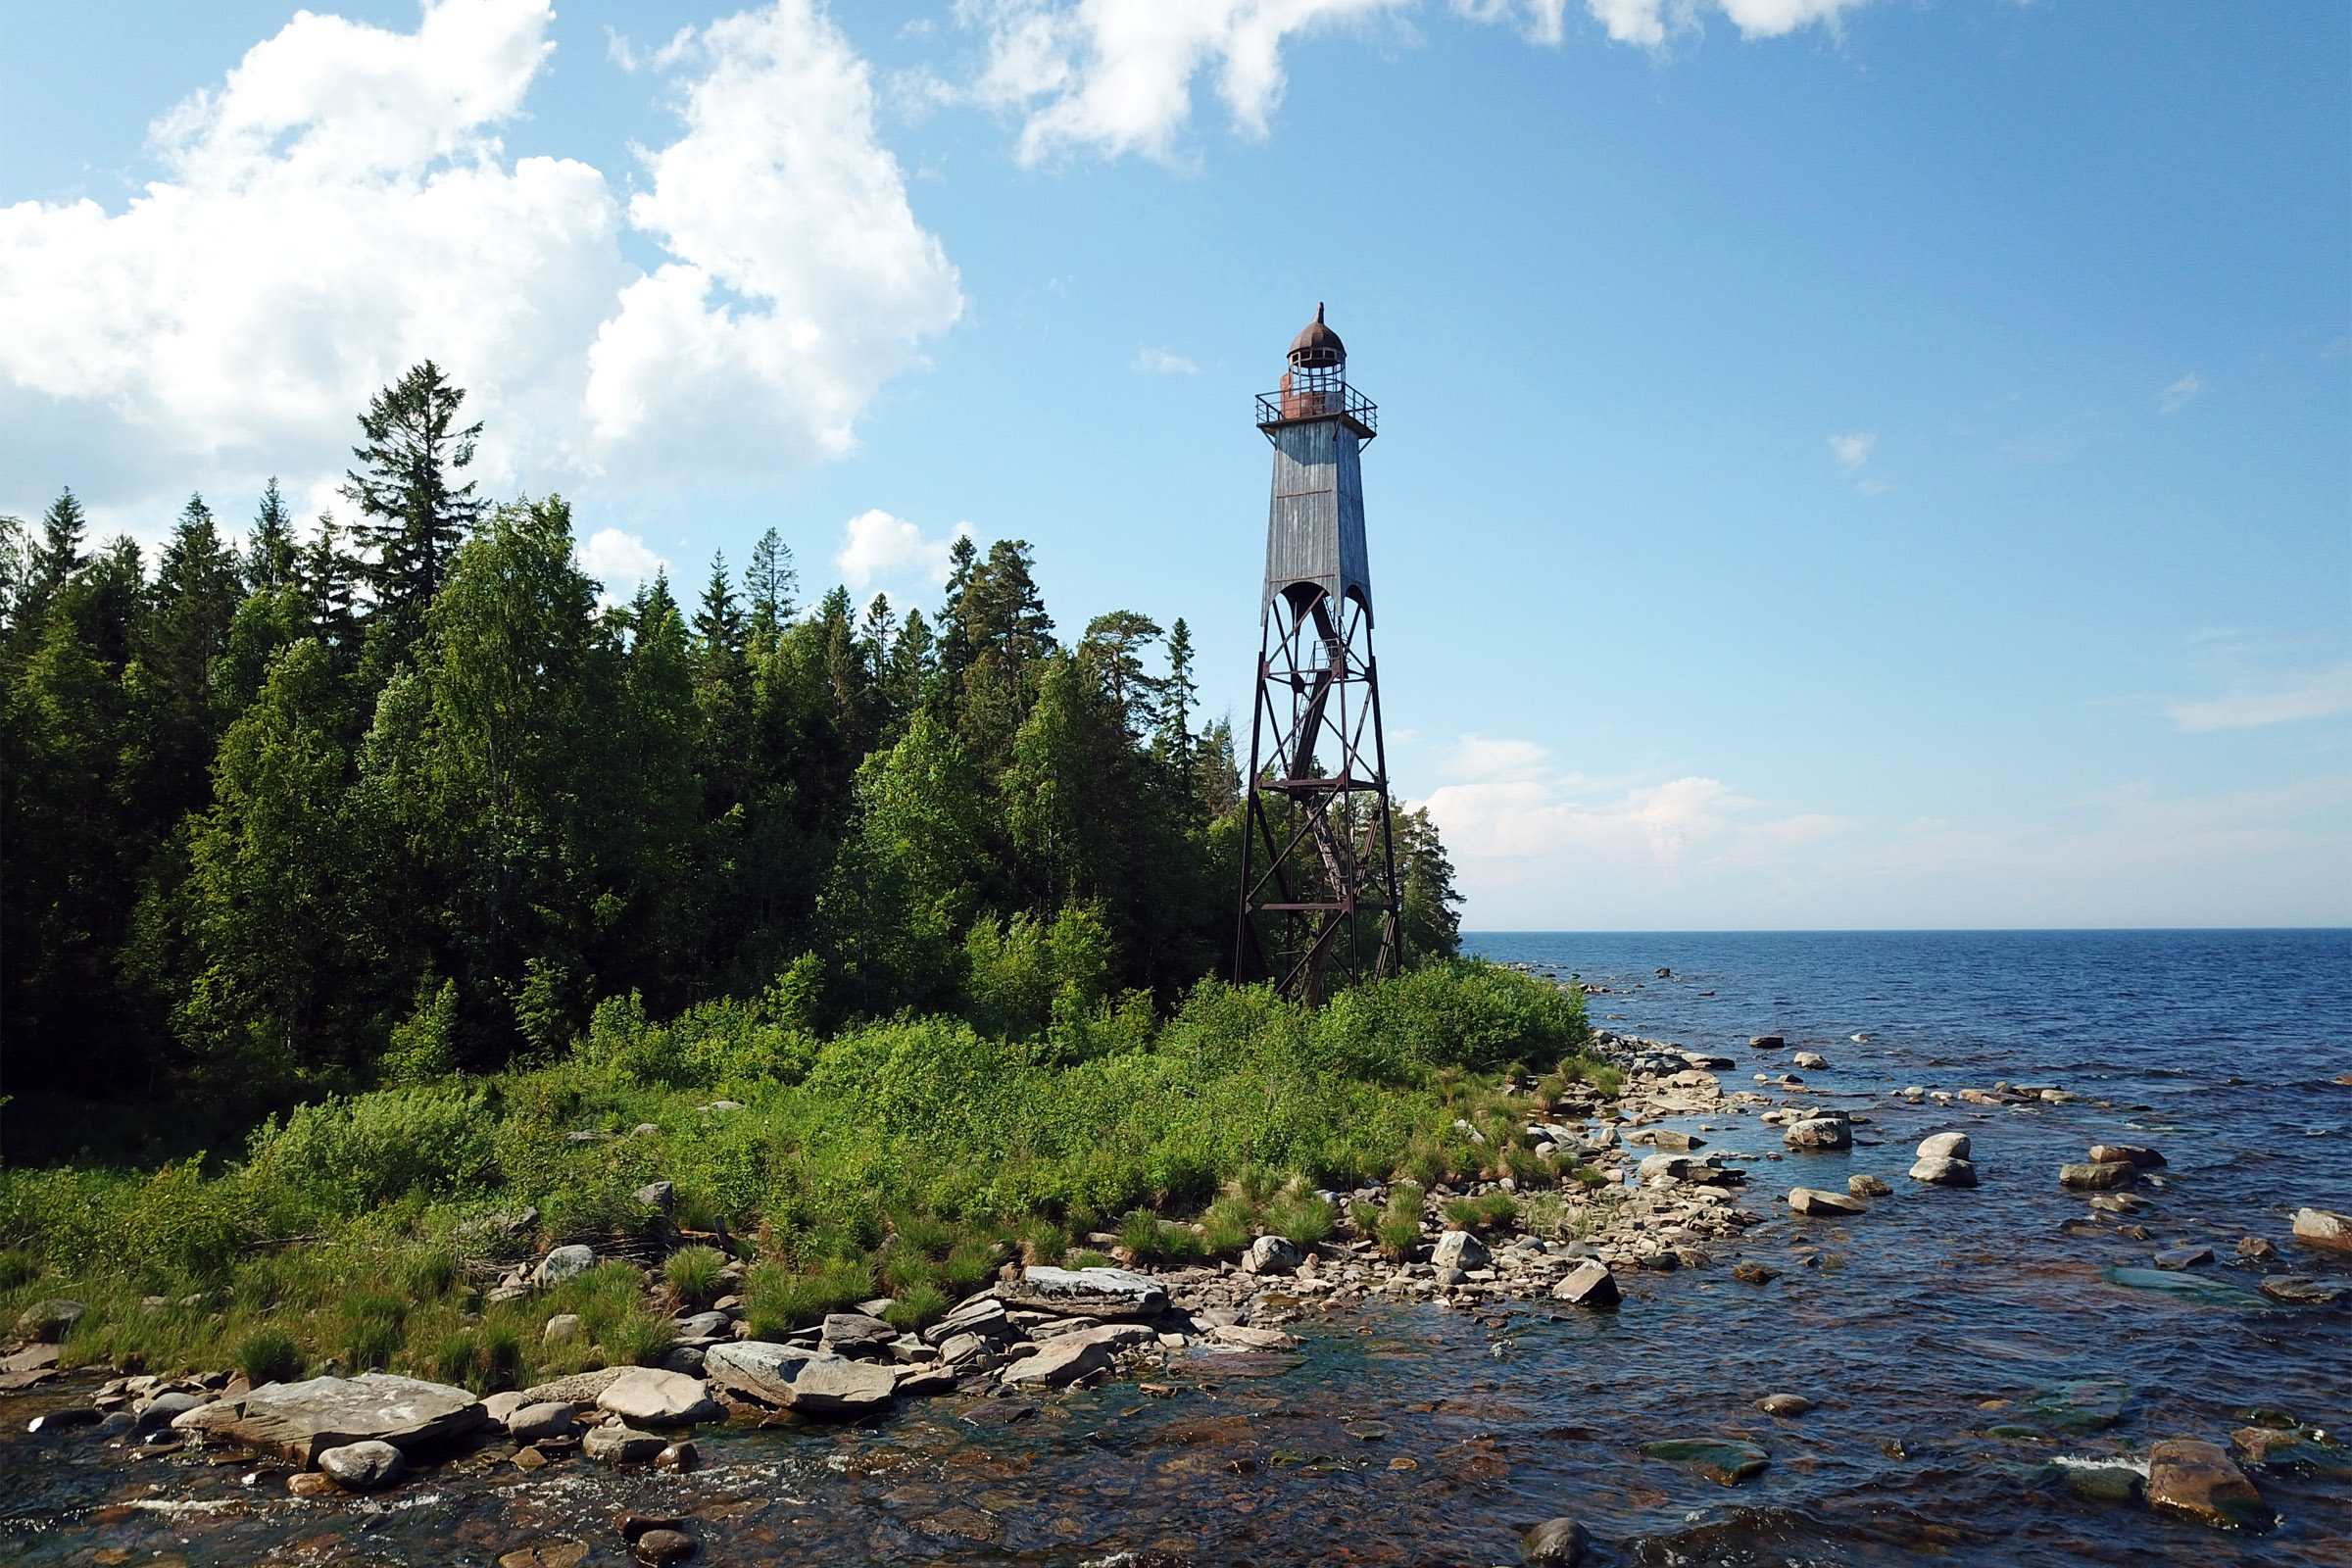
{"x":876,"y":545}
{"x":616,"y":558}
{"x":340,"y":206}
{"x":2177,"y":397}
{"x":1649,"y":22}
{"x":1160,"y":361}
{"x":1852,"y":450}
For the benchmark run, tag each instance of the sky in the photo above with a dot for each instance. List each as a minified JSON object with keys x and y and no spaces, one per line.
{"x":1843,"y":464}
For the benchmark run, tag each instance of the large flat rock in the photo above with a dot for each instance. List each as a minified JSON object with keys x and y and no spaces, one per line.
{"x":1103,"y":1292}
{"x":649,"y":1397}
{"x":301,"y":1419}
{"x":814,"y":1383}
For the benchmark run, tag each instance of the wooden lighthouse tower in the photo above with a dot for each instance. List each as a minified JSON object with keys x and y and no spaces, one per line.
{"x":1319,"y":905}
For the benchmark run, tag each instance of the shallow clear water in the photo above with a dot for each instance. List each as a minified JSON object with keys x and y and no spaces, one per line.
{"x":1907,"y":1325}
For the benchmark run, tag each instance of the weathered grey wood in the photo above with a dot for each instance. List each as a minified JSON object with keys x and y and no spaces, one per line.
{"x":1315,"y":522}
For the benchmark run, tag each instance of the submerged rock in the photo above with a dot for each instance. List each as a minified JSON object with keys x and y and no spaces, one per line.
{"x":1783,"y":1404}
{"x":2184,"y":1256}
{"x":1555,"y":1543}
{"x":1724,"y":1460}
{"x":2256,"y":1247}
{"x":2303,"y":1448}
{"x":2299,"y":1289}
{"x":2205,"y":1291}
{"x":2085,"y":1405}
{"x":2101,"y":1481}
{"x":2097,"y":1176}
{"x":2195,"y":1479}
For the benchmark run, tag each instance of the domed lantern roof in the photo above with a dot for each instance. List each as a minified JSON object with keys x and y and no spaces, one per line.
{"x":1318,"y":345}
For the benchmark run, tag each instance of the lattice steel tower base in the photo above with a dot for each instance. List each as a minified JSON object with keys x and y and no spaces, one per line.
{"x":1319,"y":903}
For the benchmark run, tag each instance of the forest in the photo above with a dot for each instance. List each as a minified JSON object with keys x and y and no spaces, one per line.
{"x":397,"y":795}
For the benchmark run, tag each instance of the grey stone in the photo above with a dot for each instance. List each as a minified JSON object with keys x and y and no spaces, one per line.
{"x":1783,"y":1404}
{"x":1272,"y":1255}
{"x":166,"y":1408}
{"x":1942,"y":1172}
{"x":302,"y":1419}
{"x":530,"y":1423}
{"x":2097,"y":1175}
{"x":983,"y":1316}
{"x":562,"y":1328}
{"x":657,"y":1194}
{"x":1944,"y":1146}
{"x":623,"y":1445}
{"x":51,"y":1320}
{"x":1061,"y":1363}
{"x":855,"y":1333}
{"x":2195,"y":1479}
{"x":813,"y":1382}
{"x":1590,"y":1283}
{"x":1459,"y":1250}
{"x":699,"y":1327}
{"x":649,"y":1397}
{"x":1819,"y":1132}
{"x":2184,"y":1256}
{"x":362,"y":1466}
{"x":565,"y":1262}
{"x":1672,"y":1167}
{"x":1555,"y":1543}
{"x":1864,"y":1185}
{"x":1809,"y":1061}
{"x":2132,"y":1155}
{"x":1103,"y":1293}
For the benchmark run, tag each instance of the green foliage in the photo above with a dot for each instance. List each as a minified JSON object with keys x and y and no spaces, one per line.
{"x":348,"y":1155}
{"x":1230,"y":1225}
{"x":1301,"y":1217}
{"x":1086,"y":1258}
{"x":1399,"y":1230}
{"x":1493,"y":1211}
{"x":779,"y":1299}
{"x":425,"y":1044}
{"x":918,"y":1306}
{"x":694,"y":1272}
{"x":270,"y":1356}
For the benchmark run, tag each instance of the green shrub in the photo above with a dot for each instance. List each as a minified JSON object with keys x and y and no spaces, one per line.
{"x":1363,"y":1219}
{"x":916,"y":1308}
{"x":968,"y":1263}
{"x":1040,"y":1240}
{"x":1138,"y":1234}
{"x":18,"y":1269}
{"x":1085,"y":1258}
{"x":371,"y":1331}
{"x":1300,"y":1217}
{"x":360,"y":1152}
{"x":1257,"y":1184}
{"x":1528,"y":1168}
{"x":779,"y":1300}
{"x":268,"y":1356}
{"x":696,"y":1274}
{"x":1229,"y":1226}
{"x":1588,"y":1176}
{"x":638,"y":1337}
{"x":431,"y":1274}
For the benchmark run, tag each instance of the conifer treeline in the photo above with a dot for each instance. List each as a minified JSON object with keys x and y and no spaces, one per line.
{"x":405,"y":799}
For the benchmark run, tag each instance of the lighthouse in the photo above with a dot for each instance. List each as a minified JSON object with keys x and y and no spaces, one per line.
{"x":1319,"y":903}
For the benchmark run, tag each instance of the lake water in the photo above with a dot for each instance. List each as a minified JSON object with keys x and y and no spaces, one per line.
{"x":1922,"y":1331}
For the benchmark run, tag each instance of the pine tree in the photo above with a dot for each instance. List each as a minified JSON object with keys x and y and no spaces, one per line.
{"x":720,"y":636}
{"x":270,"y":554}
{"x":414,"y":517}
{"x":60,"y":555}
{"x":1112,"y":653}
{"x":328,"y":577}
{"x":1177,"y":694}
{"x":177,"y":721}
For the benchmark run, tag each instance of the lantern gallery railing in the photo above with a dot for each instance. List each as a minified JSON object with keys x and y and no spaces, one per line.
{"x":1319,"y":399}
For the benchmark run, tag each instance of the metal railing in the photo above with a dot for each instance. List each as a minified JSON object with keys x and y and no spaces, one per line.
{"x":1321,"y":402}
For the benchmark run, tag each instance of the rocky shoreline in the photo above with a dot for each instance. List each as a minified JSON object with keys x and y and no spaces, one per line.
{"x":1664,"y":1200}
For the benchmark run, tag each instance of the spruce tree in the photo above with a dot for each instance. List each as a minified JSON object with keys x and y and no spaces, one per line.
{"x":1177,"y":694}
{"x":414,"y":517}
{"x":772,"y":583}
{"x":271,"y":552}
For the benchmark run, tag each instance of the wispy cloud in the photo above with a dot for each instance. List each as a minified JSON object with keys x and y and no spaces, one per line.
{"x":2177,"y":396}
{"x":2321,"y":695}
{"x":1160,"y":361}
{"x":1853,"y":451}
{"x":876,"y":545}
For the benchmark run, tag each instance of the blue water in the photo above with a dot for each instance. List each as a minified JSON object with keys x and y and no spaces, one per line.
{"x":1922,"y":1331}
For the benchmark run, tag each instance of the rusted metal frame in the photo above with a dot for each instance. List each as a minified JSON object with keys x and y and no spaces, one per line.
{"x":1247,"y":936}
{"x":1393,"y":932}
{"x":1281,"y":858}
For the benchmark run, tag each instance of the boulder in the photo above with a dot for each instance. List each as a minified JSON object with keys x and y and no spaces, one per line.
{"x":362,"y":1466}
{"x":300,"y":1420}
{"x":1555,"y":1543}
{"x":211,"y":1420}
{"x":1819,"y":1132}
{"x":1061,"y":1363}
{"x":1809,"y":1061}
{"x":1944,"y":1146}
{"x":1103,"y":1293}
{"x":982,"y":1315}
{"x":530,"y":1423}
{"x":2125,"y":1155}
{"x":2320,"y":1227}
{"x":565,"y":1262}
{"x":562,"y":1328}
{"x":1942,"y":1172}
{"x":1783,"y":1404}
{"x":1272,"y":1255}
{"x":814,"y":1383}
{"x":657,"y":1549}
{"x":1813,"y":1200}
{"x":657,"y":1194}
{"x":1667,"y":1138}
{"x":649,"y":1397}
{"x":2195,"y":1479}
{"x":1250,"y":1339}
{"x":623,"y":1445}
{"x":1673,"y":1167}
{"x":1766,"y":1042}
{"x":1864,"y":1185}
{"x":164,"y":1410}
{"x":2303,"y":1448}
{"x":1590,"y":1283}
{"x":1463,"y":1250}
{"x":855,"y":1333}
{"x":703,"y":1328}
{"x":51,"y":1320}
{"x":2097,"y":1175}
{"x":581,"y":1388}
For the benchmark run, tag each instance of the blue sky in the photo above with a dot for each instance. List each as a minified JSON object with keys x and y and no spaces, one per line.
{"x":1845,"y":463}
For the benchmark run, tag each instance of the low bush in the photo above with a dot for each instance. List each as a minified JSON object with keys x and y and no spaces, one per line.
{"x":1301,"y":1217}
{"x":1229,"y":1225}
{"x":270,"y":1356}
{"x":696,"y":1274}
{"x":916,"y":1308}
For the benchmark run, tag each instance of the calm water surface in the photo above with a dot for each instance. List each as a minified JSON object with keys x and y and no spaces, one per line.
{"x":1411,"y":1435}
